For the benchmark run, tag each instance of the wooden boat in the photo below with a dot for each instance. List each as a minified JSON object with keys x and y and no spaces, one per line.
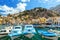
{"x":4,"y":32}
{"x":15,"y":32}
{"x":29,"y":31}
{"x":48,"y":34}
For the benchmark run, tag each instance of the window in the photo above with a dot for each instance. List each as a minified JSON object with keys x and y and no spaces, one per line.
{"x":29,"y":30}
{"x":17,"y":27}
{"x":3,"y":31}
{"x":9,"y":30}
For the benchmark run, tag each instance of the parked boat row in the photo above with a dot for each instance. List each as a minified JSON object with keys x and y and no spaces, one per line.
{"x":29,"y":31}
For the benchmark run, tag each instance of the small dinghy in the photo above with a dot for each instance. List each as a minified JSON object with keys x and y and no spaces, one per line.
{"x":29,"y":31}
{"x":48,"y":35}
{"x":15,"y":32}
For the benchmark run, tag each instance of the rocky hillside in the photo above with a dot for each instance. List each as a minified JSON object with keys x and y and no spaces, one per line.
{"x":28,"y":16}
{"x":37,"y":12}
{"x":56,"y":9}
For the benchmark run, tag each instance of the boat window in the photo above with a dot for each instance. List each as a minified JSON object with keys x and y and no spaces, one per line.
{"x":9,"y":30}
{"x":17,"y":27}
{"x":3,"y":31}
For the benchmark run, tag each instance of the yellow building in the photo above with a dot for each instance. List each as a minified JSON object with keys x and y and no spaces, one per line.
{"x":43,"y":20}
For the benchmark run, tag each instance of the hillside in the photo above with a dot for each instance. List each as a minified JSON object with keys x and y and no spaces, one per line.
{"x":56,"y":9}
{"x":28,"y":16}
{"x":38,"y":12}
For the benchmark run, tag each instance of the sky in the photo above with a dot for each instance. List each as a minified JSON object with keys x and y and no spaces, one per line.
{"x":16,"y":6}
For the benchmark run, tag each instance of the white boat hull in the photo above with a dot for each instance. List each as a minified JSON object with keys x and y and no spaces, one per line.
{"x":2,"y":35}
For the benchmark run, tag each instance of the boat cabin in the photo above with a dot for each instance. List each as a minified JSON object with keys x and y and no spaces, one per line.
{"x":29,"y":29}
{"x":17,"y":30}
{"x":6,"y":30}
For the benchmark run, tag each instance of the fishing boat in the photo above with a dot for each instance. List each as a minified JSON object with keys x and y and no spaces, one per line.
{"x":48,"y":35}
{"x":29,"y":31}
{"x":5,"y":31}
{"x":15,"y":32}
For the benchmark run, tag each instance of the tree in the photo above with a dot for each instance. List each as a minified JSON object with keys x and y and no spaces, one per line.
{"x":0,"y":15}
{"x":9,"y":15}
